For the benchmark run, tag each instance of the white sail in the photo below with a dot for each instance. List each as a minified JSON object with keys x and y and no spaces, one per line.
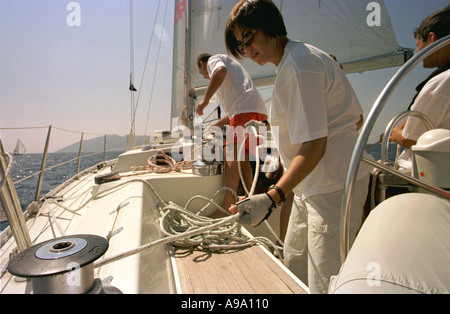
{"x":20,"y":148}
{"x":358,"y":32}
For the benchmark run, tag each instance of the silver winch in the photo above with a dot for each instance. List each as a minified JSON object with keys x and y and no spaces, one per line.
{"x":206,"y":168}
{"x":62,"y":266}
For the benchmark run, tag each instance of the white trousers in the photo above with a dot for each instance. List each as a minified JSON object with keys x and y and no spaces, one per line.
{"x":311,"y":247}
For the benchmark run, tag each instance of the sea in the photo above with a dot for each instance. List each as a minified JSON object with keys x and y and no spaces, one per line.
{"x":27,"y":164}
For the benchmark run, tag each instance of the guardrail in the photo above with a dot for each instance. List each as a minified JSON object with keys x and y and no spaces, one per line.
{"x":43,"y":168}
{"x":10,"y":200}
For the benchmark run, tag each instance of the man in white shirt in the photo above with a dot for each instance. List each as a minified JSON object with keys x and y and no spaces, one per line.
{"x":433,"y":98}
{"x":317,"y":113}
{"x":242,"y":103}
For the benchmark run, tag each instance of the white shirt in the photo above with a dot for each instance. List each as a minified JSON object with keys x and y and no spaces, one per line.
{"x":434,"y":102}
{"x":313,"y":99}
{"x":238,"y":93}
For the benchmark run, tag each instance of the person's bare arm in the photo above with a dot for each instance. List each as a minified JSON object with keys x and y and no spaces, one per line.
{"x":216,"y":81}
{"x":397,"y":137}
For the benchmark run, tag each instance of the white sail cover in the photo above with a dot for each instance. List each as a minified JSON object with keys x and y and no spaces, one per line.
{"x":403,"y":247}
{"x":358,"y":32}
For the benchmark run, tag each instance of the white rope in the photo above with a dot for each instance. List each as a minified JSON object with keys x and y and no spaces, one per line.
{"x":186,"y":229}
{"x":255,"y":180}
{"x":164,"y":241}
{"x":160,"y":157}
{"x":241,"y":149}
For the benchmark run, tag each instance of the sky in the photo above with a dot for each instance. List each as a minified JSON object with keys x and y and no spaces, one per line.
{"x":66,"y":66}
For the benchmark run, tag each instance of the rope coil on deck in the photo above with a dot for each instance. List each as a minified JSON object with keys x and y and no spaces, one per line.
{"x":169,"y":164}
{"x":176,"y":220}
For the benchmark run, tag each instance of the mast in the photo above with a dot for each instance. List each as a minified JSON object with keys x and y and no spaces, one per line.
{"x":190,"y":103}
{"x":181,"y":80}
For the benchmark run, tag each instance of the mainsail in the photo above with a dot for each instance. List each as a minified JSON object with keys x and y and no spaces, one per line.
{"x":20,"y":148}
{"x":358,"y":32}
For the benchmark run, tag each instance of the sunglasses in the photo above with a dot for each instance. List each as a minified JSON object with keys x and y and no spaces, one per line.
{"x":247,"y":40}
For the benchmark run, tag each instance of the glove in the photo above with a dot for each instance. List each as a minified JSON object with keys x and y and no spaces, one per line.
{"x":255,"y":209}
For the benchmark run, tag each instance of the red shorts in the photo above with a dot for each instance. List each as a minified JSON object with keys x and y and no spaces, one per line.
{"x":237,"y":131}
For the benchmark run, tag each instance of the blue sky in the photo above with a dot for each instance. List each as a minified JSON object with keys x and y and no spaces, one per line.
{"x":52,"y":73}
{"x":67,"y":76}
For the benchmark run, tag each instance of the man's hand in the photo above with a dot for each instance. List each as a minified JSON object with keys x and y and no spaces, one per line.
{"x":201,"y":106}
{"x":254,"y":210}
{"x":397,"y":137}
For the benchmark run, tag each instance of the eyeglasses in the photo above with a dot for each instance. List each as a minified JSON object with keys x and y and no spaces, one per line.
{"x":247,"y":40}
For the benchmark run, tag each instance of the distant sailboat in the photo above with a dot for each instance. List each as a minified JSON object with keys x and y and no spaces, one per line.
{"x":20,"y":148}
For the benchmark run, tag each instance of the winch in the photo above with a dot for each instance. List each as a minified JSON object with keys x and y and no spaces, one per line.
{"x":207,"y":168}
{"x":63,"y":265}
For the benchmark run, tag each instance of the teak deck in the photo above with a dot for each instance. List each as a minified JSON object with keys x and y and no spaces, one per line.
{"x":248,"y":271}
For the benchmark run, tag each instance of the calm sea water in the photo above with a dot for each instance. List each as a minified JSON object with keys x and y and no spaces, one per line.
{"x":25,"y":165}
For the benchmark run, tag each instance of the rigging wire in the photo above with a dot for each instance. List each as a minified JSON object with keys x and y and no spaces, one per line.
{"x":154,"y":73}
{"x":132,"y":68}
{"x":145,"y":65}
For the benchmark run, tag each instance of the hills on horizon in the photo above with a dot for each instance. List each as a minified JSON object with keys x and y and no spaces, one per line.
{"x":113,"y":143}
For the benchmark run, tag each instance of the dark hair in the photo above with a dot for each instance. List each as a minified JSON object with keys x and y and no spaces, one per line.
{"x":437,"y":23}
{"x":204,"y":57}
{"x":254,"y":14}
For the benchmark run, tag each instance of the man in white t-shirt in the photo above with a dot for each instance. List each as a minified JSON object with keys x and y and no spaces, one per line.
{"x":242,"y":103}
{"x":333,"y":115}
{"x":433,"y":98}
{"x":317,"y":115}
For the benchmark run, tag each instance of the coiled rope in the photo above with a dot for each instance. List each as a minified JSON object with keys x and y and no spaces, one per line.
{"x":255,"y":179}
{"x":184,"y":228}
{"x":169,"y":164}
